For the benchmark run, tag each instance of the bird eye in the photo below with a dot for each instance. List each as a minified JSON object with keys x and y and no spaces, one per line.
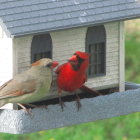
{"x":49,"y":64}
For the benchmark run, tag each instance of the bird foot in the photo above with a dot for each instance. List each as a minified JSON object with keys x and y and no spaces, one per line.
{"x":78,"y":104}
{"x":62,"y":105}
{"x":28,"y":111}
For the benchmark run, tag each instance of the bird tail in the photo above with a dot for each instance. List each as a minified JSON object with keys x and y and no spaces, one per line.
{"x":89,"y":90}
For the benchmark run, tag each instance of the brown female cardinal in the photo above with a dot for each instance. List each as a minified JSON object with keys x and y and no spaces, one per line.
{"x":72,"y":75}
{"x":29,"y":86}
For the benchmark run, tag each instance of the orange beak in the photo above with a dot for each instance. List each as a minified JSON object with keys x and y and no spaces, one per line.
{"x":73,"y":58}
{"x":54,"y":64}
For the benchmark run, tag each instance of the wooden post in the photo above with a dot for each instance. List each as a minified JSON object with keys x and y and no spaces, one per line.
{"x":121,"y":57}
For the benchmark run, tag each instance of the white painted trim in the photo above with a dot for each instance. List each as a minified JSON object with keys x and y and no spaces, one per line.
{"x":7,"y":44}
{"x":15,"y":70}
{"x":121,"y":57}
{"x":15,"y":57}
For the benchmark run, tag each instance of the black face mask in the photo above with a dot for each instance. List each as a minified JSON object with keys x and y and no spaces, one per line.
{"x":78,"y":65}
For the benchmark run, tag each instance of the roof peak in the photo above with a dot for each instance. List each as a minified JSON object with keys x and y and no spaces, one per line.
{"x":23,"y":17}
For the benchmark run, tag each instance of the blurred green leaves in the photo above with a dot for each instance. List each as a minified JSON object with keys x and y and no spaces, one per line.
{"x":132,"y":57}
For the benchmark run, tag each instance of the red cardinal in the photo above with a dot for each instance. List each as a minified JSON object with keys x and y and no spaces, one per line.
{"x":72,"y":75}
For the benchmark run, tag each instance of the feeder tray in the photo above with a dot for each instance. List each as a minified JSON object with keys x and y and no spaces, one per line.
{"x":98,"y":108}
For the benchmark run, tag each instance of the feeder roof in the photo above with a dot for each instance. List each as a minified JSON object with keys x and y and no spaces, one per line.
{"x":24,"y":17}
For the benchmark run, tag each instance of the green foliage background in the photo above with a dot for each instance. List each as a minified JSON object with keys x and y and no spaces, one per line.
{"x":118,"y":128}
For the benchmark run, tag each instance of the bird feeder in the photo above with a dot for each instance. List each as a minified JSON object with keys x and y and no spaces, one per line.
{"x":93,"y":109}
{"x":31,"y":30}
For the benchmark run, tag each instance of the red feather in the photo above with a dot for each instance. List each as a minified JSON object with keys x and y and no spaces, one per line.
{"x":72,"y":75}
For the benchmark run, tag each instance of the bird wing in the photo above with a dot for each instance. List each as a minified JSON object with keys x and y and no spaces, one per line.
{"x":14,"y":88}
{"x":5,"y":84}
{"x":59,"y":69}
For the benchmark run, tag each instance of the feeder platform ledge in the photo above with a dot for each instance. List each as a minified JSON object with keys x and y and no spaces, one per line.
{"x":98,"y":108}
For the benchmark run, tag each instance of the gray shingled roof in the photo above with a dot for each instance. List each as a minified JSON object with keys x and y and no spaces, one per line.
{"x":22,"y":17}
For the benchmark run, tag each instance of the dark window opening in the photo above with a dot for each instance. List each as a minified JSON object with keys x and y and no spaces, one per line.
{"x":95,"y":45}
{"x":97,"y":64}
{"x":41,"y":47}
{"x":40,"y":55}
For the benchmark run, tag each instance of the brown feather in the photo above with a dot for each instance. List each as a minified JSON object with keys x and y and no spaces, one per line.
{"x":20,"y":89}
{"x":37,"y":63}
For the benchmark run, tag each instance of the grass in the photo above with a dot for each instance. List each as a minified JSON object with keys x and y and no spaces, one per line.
{"x":118,"y":128}
{"x":132,"y":58}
